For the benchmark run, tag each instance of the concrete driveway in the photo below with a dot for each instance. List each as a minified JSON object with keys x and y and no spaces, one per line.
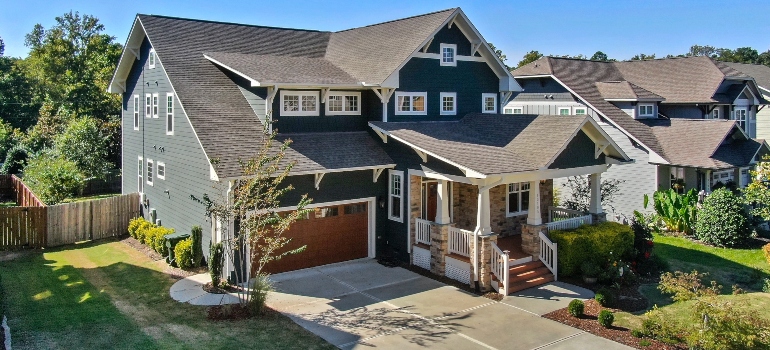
{"x":362,"y":304}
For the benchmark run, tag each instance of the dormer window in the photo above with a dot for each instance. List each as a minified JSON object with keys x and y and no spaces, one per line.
{"x":299,"y":102}
{"x":448,"y":53}
{"x":343,"y":103}
{"x":715,"y":113}
{"x":151,"y":58}
{"x":646,"y":110}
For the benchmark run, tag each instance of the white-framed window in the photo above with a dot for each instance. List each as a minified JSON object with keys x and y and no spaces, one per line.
{"x":151,"y":59}
{"x":413,"y":103}
{"x":507,"y":110}
{"x":677,"y":179}
{"x":518,"y":198}
{"x":715,"y":113}
{"x":396,"y":195}
{"x":740,"y":117}
{"x":518,"y":110}
{"x":136,"y":112}
{"x":448,"y":103}
{"x":646,"y":110}
{"x":448,"y":54}
{"x":148,"y":105}
{"x":489,"y":103}
{"x":343,"y":103}
{"x":155,"y":105}
{"x":565,"y":111}
{"x":299,"y":102}
{"x":169,"y":114}
{"x":150,"y":165}
{"x":161,"y":171}
{"x":141,"y":171}
{"x":579,"y":111}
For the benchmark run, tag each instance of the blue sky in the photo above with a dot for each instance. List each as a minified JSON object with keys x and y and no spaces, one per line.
{"x":619,"y":28}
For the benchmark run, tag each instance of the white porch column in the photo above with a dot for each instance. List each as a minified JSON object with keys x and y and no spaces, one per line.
{"x":595,"y":206}
{"x":738,"y":178}
{"x":707,"y":185}
{"x":534,"y":215}
{"x":483,"y":221}
{"x":442,"y":210}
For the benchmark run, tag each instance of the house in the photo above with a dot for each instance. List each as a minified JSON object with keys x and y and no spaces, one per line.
{"x":688,"y":123}
{"x":761,"y":75}
{"x":396,"y":133}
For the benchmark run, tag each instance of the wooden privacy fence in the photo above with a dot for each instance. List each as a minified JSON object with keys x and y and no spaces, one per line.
{"x":56,"y":225}
{"x":11,"y":186}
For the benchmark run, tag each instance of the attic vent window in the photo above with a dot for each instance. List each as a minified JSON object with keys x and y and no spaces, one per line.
{"x":151,"y":59}
{"x":448,"y":53}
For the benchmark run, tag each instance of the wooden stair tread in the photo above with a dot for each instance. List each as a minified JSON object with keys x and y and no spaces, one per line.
{"x":516,"y":276}
{"x":521,"y":285}
{"x":527,"y":266}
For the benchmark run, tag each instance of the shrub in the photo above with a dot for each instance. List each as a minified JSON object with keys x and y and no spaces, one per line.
{"x":576,"y":308}
{"x":677,"y":211}
{"x":606,"y":317}
{"x":608,"y":295}
{"x":15,"y":160}
{"x":723,"y":221}
{"x":217,"y":260}
{"x":196,"y":234}
{"x":766,"y":285}
{"x":601,"y":299}
{"x":133,"y":226}
{"x":53,"y":179}
{"x":596,"y":243}
{"x":82,"y":143}
{"x":142,"y":229}
{"x":766,"y":250}
{"x":687,"y":286}
{"x":590,"y":269}
{"x":183,"y":253}
{"x":723,"y":324}
{"x":656,"y":326}
{"x":260,"y":287}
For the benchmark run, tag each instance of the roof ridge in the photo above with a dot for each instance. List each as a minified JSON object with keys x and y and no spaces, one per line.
{"x":398,"y":19}
{"x":578,"y":59}
{"x":231,"y":23}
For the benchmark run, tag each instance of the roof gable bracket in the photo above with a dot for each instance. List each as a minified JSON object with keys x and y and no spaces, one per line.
{"x":324,"y":95}
{"x":449,"y":25}
{"x":377,"y":173}
{"x":384,"y":94}
{"x":475,"y":47}
{"x":505,"y":96}
{"x":427,"y":45}
{"x":134,"y":51}
{"x":382,"y":135}
{"x":318,"y":177}
{"x":122,"y":84}
{"x":599,"y":149}
{"x":423,"y":155}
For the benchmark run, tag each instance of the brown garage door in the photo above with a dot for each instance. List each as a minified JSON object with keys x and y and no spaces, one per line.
{"x":331,"y":234}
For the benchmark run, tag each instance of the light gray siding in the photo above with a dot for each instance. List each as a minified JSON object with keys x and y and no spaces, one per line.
{"x":256,"y":102}
{"x":763,"y":121}
{"x":187,"y":168}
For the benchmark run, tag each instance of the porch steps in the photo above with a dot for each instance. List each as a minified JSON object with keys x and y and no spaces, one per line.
{"x":528,"y":275}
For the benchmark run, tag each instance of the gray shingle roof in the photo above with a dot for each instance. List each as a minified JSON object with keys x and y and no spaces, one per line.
{"x":271,"y":69}
{"x":704,"y":143}
{"x":491,"y":143}
{"x":322,"y":152}
{"x":760,"y":73}
{"x":679,"y":80}
{"x":624,"y":90}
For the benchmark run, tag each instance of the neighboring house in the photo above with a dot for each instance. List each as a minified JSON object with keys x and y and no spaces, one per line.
{"x":761,"y":75}
{"x":396,"y":138}
{"x":688,"y":123}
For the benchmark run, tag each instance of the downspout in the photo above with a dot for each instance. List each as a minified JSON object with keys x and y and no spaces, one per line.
{"x":477,"y":232}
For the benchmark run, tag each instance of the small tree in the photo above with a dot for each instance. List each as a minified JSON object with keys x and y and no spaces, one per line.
{"x":82,"y":142}
{"x":723,"y":220}
{"x":579,"y":191}
{"x":252,"y":208}
{"x":53,"y":179}
{"x":757,"y":193}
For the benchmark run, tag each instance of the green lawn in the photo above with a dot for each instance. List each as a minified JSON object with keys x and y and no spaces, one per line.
{"x":744,"y":267}
{"x":108,"y":295}
{"x":7,"y":204}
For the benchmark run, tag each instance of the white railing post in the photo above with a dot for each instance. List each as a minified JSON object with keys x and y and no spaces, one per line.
{"x":549,"y":255}
{"x":568,"y":224}
{"x":460,"y":241}
{"x":422,"y":231}
{"x":500,"y":267}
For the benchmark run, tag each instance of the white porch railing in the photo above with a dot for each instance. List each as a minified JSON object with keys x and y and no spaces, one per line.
{"x":500,"y":267}
{"x":548,"y":254}
{"x":571,"y":223}
{"x":422,"y":231}
{"x":559,"y":214}
{"x":460,"y":241}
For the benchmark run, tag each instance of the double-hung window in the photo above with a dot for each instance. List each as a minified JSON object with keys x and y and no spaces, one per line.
{"x":169,"y":114}
{"x":136,"y":112}
{"x":448,"y":54}
{"x":489,"y":103}
{"x":395,"y":195}
{"x":148,"y":105}
{"x":151,"y":59}
{"x":161,"y":173}
{"x":646,"y":110}
{"x":299,"y":102}
{"x":448,"y":103}
{"x":149,"y":171}
{"x":155,"y":105}
{"x":413,"y":103}
{"x":518,"y":198}
{"x":141,"y":171}
{"x":740,"y":117}
{"x":343,"y":103}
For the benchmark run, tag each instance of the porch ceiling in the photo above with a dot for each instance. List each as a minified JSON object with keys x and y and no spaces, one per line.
{"x":500,"y":144}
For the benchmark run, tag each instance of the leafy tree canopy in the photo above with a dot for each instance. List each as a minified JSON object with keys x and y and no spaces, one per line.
{"x":529,"y":57}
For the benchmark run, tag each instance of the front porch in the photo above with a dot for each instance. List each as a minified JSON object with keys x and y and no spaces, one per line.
{"x":491,"y":237}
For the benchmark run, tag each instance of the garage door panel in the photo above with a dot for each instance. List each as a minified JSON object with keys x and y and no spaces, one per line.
{"x":328,"y":239}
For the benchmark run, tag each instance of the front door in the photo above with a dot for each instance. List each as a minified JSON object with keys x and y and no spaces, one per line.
{"x":429,"y":200}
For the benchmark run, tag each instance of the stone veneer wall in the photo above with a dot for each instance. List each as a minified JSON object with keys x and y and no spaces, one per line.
{"x":465,"y":199}
{"x":415,"y":183}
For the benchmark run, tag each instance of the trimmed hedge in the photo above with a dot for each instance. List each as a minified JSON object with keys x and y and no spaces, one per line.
{"x":183,"y":253}
{"x":596,"y":243}
{"x":606,"y":318}
{"x":150,"y":234}
{"x":576,"y":308}
{"x":766,"y":250}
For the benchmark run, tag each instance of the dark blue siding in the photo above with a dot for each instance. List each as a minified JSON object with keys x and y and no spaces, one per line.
{"x":371,"y":109}
{"x":451,"y":36}
{"x":578,"y":153}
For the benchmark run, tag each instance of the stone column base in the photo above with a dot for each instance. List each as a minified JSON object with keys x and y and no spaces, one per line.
{"x":599,"y":218}
{"x":530,"y":238}
{"x":485,"y":259}
{"x":439,"y":247}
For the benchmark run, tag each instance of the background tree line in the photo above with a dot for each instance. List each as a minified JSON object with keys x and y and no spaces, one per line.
{"x":739,"y":55}
{"x":58,"y":124}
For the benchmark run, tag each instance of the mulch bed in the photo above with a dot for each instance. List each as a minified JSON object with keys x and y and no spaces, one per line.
{"x":234,"y":312}
{"x":589,"y":324}
{"x":209,"y":287}
{"x":627,"y":299}
{"x":174,"y":272}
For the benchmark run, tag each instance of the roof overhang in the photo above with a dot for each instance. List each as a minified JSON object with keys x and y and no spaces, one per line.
{"x":602,"y":141}
{"x":634,"y":99}
{"x":130,"y":54}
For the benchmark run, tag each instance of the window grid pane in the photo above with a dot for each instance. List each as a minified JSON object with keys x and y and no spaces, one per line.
{"x":291,"y":103}
{"x":351,"y":103}
{"x":448,"y":104}
{"x":308,"y":103}
{"x":335,"y":103}
{"x":489,"y":103}
{"x":418,"y":103}
{"x":448,"y":55}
